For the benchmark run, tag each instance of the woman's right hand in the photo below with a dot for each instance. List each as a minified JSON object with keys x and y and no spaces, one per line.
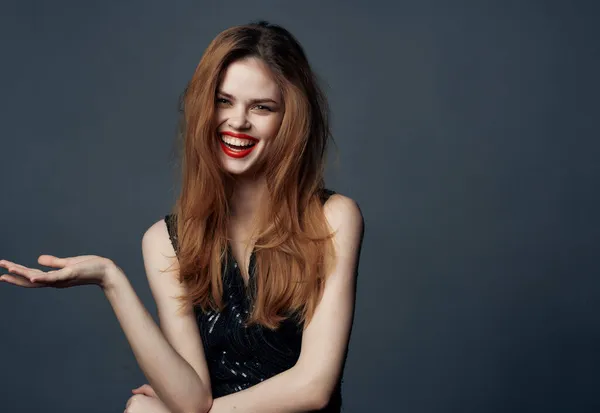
{"x":145,"y":400}
{"x":146,"y":390}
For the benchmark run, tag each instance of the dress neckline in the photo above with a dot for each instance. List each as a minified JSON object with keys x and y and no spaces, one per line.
{"x":236,"y":266}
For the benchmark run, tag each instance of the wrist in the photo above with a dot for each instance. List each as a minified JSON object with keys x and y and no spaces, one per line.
{"x":112,"y":276}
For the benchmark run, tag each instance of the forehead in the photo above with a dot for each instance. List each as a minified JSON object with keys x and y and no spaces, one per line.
{"x":249,"y":78}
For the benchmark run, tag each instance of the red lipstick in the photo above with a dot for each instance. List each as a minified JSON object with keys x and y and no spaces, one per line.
{"x":235,"y":152}
{"x":240,"y":135}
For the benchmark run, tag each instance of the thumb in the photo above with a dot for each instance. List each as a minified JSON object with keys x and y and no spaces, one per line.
{"x":52,"y":261}
{"x":146,"y":390}
{"x":58,"y":262}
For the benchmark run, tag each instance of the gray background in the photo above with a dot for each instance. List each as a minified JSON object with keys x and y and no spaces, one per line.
{"x":467,"y":132}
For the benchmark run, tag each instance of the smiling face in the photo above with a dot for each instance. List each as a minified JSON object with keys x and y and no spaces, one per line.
{"x":249,"y":110}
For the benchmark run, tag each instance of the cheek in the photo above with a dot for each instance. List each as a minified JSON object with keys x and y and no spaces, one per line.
{"x":219,"y":116}
{"x":270,"y":127}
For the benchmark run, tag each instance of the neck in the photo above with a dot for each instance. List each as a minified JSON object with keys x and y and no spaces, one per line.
{"x":247,"y":197}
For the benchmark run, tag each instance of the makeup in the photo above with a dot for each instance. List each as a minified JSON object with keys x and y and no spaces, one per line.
{"x":237,"y":145}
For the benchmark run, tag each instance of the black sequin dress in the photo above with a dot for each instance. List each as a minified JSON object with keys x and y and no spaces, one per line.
{"x":237,"y":356}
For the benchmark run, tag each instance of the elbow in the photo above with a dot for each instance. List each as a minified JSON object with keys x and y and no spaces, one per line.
{"x":320,"y":400}
{"x":316,"y":385}
{"x":200,"y":406}
{"x":319,"y":394}
{"x":203,"y":408}
{"x":206,"y":400}
{"x":205,"y":405}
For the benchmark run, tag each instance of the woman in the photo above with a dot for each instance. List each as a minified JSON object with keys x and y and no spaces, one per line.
{"x":254,"y":271}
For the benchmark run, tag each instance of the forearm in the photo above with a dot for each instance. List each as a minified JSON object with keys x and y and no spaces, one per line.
{"x":292,"y":391}
{"x":175,"y":382}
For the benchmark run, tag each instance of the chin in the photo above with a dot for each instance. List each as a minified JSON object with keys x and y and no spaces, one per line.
{"x":239,"y":167}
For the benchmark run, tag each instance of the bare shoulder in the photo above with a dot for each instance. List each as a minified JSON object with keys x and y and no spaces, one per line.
{"x":346,"y":222}
{"x":157,"y":248}
{"x":157,"y":238}
{"x":157,"y":232}
{"x":343,"y":214}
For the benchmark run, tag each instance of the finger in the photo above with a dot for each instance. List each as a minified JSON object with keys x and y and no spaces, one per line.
{"x":9,"y":264}
{"x":22,"y":270}
{"x":133,"y":400}
{"x":53,"y":261}
{"x":146,"y":390}
{"x":19,"y":281}
{"x":34,"y":275}
{"x":64,"y":274}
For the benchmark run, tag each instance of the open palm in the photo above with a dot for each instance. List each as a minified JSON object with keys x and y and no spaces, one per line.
{"x":81,"y":270}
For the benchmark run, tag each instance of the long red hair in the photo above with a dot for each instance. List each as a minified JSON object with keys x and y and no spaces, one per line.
{"x":294,"y":249}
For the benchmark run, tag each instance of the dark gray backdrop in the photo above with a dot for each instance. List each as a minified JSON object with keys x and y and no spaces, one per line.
{"x":465,"y":130}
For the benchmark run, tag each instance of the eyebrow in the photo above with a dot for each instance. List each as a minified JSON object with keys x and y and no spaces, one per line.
{"x":261,"y":100}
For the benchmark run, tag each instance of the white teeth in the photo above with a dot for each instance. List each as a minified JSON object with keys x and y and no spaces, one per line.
{"x":236,"y":141}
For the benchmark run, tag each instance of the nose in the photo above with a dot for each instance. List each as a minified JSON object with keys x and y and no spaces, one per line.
{"x":238,"y":120}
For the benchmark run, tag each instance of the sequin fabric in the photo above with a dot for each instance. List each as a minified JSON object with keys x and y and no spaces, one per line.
{"x":240,"y":356}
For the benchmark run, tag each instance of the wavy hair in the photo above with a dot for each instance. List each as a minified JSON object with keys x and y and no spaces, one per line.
{"x":293,"y":248}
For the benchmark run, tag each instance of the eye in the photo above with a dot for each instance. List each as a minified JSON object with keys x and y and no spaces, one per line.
{"x":222,"y":101}
{"x":263,"y":107}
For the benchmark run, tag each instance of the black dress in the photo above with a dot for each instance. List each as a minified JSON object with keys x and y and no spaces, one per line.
{"x":237,"y":356}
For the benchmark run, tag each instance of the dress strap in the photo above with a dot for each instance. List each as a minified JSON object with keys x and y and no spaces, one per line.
{"x":325,"y":194}
{"x":171,"y":221}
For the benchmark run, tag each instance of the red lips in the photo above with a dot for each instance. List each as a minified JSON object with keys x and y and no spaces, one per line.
{"x":240,"y":135}
{"x":237,"y":153}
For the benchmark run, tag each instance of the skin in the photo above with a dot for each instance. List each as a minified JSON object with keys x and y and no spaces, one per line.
{"x":237,"y":110}
{"x":248,"y":101}
{"x":172,"y":356}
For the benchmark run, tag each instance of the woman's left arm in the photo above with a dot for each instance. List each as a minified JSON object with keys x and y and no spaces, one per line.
{"x":310,"y":383}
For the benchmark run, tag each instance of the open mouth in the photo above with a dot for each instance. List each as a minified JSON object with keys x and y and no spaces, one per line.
{"x":237,"y":147}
